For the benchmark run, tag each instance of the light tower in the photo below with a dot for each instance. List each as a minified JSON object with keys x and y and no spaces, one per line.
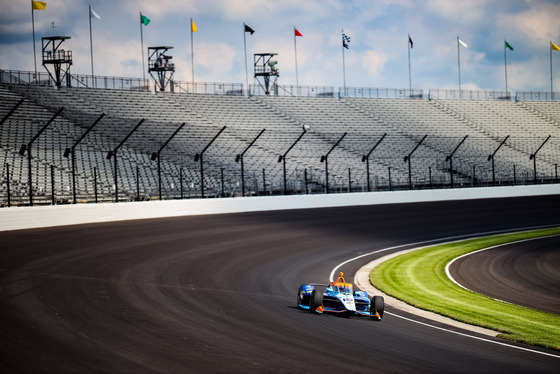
{"x":158,"y":63}
{"x":60,"y":59}
{"x":266,"y":68}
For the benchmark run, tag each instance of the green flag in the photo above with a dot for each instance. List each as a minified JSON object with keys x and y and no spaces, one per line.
{"x":145,"y":20}
{"x":508,"y":46}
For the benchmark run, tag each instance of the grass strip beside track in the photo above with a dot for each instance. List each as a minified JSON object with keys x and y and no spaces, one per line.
{"x":419,"y":279}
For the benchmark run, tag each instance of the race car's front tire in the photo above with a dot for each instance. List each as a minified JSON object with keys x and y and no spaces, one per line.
{"x":376,"y":307}
{"x":315,"y":301}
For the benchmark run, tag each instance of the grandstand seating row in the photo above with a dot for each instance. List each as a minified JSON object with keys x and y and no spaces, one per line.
{"x":363,"y":120}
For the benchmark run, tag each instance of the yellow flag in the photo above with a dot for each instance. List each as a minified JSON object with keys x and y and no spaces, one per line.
{"x":193,"y":27}
{"x":39,"y":5}
{"x":554,"y":47}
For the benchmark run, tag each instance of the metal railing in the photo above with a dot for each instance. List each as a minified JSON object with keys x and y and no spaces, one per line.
{"x":382,"y":93}
{"x":293,"y":90}
{"x":218,"y":88}
{"x":537,"y":96}
{"x":450,"y":94}
{"x":208,"y":88}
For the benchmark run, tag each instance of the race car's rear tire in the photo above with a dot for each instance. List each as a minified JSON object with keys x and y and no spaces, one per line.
{"x":376,"y":307}
{"x":315,"y":301}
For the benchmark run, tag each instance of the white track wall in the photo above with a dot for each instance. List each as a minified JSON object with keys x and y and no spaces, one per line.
{"x":16,"y":218}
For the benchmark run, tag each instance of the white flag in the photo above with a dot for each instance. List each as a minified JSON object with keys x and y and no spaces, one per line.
{"x":93,"y":14}
{"x":463,"y":43}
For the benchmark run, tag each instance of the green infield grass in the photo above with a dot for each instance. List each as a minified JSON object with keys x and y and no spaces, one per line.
{"x":419,"y":279}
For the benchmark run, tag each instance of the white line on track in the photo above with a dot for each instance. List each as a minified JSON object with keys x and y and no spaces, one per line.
{"x":448,"y":273}
{"x":475,"y":337}
{"x":442,"y":241}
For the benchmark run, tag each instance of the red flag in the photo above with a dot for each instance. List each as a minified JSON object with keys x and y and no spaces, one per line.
{"x":297,"y":33}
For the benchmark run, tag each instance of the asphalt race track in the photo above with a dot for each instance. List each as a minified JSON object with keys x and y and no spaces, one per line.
{"x":217,"y":293}
{"x":526,"y":273}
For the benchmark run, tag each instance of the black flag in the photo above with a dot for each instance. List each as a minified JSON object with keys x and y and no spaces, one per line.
{"x":248,"y":29}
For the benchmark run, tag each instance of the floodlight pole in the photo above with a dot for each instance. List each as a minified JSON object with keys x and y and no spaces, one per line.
{"x":114,"y":153}
{"x":491,"y":158}
{"x":71,"y":151}
{"x":11,"y":112}
{"x":240,"y":158}
{"x":407,"y":159}
{"x":199,"y":156}
{"x":283,"y":157}
{"x":534,"y":158}
{"x":28,"y":148}
{"x":450,"y":158}
{"x":157,"y":155}
{"x":325,"y":159}
{"x":365,"y":159}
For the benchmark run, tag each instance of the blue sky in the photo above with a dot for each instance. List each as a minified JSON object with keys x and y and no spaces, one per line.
{"x":378,"y":49}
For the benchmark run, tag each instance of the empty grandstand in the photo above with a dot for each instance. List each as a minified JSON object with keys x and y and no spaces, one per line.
{"x":411,"y":140}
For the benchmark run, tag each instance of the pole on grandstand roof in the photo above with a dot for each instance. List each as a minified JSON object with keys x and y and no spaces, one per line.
{"x":27,"y":147}
{"x":534,"y":158}
{"x":295,"y":54}
{"x":505,"y":66}
{"x":192,"y":54}
{"x":114,"y":153}
{"x":491,"y":158}
{"x":458,"y":67}
{"x":450,"y":158}
{"x":71,"y":151}
{"x":246,"y":29}
{"x":90,"y":48}
{"x":142,"y":49}
{"x":157,"y":155}
{"x":407,"y":159}
{"x":239,"y":157}
{"x":343,"y":64}
{"x":282,"y":158}
{"x":34,"y":51}
{"x":325,"y":159}
{"x":409,"y":42}
{"x":199,"y":156}
{"x":551,"y":87}
{"x":365,"y":159}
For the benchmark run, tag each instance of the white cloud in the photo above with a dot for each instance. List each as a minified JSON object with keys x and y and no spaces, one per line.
{"x":374,"y":62}
{"x":463,"y":12}
{"x":538,"y":25}
{"x":213,"y":60}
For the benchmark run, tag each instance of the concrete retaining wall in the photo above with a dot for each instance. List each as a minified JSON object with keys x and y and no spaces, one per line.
{"x":15,"y":218}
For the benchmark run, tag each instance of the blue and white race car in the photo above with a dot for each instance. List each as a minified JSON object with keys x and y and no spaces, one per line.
{"x":340,"y":298}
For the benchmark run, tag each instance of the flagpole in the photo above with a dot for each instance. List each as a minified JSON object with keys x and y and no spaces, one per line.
{"x":34,"y":52}
{"x":295,"y":53}
{"x":91,"y":44}
{"x":409,"y":74}
{"x":343,"y":67}
{"x":505,"y":66}
{"x":246,"y":69}
{"x":192,"y":53}
{"x":142,"y":47}
{"x":459,"y":66}
{"x":551,"y":88}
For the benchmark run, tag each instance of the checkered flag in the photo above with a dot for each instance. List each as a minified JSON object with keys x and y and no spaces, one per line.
{"x":345,"y":40}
